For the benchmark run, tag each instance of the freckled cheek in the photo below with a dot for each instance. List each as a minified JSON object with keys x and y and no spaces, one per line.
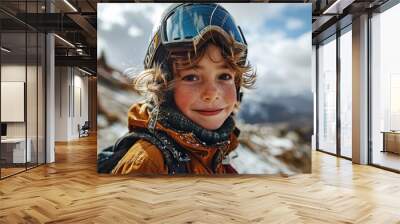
{"x":184,"y":96}
{"x":229,"y":93}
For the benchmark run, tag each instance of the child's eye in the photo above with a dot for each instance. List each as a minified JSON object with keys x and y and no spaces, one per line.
{"x":225,"y":76}
{"x":190,"y":77}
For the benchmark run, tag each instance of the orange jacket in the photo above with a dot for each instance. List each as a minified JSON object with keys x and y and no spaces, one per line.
{"x":145,"y":158}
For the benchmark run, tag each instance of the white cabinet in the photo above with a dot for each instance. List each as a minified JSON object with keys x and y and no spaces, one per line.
{"x":18,"y":149}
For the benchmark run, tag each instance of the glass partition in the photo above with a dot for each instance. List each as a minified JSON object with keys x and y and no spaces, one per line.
{"x":22,"y":77}
{"x":385,"y":89}
{"x":13,"y":95}
{"x":346,"y":93}
{"x":327,"y":95}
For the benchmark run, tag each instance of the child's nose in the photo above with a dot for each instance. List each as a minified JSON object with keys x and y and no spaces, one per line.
{"x":210,"y":92}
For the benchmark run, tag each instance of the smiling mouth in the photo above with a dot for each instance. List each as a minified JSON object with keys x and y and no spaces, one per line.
{"x":209,"y":112}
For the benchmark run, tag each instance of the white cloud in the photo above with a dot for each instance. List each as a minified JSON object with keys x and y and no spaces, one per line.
{"x":294,"y":24}
{"x":252,"y":16}
{"x":283,"y":64}
{"x":134,"y":31}
{"x":110,"y":14}
{"x":125,"y":30}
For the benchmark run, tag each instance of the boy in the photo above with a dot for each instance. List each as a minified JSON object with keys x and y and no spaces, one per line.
{"x":194,"y":68}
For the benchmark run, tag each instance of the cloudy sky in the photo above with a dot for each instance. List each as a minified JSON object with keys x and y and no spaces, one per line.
{"x":278,"y":36}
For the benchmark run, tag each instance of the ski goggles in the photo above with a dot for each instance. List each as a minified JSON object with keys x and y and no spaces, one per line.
{"x":186,"y":25}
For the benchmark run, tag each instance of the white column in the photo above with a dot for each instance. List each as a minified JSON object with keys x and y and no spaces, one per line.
{"x":50,"y":92}
{"x":360,"y":90}
{"x":50,"y":100}
{"x":314,"y":93}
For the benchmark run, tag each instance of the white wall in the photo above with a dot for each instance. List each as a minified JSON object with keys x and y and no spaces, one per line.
{"x":61,"y":103}
{"x":81,"y":100}
{"x":12,"y":73}
{"x":70,"y":83}
{"x":33,"y":126}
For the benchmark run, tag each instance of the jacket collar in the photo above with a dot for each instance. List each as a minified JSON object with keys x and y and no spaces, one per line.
{"x":185,"y":132}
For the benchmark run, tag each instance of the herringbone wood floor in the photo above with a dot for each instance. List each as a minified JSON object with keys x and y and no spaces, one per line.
{"x":70,"y":191}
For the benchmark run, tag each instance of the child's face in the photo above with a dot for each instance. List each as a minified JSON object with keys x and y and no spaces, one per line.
{"x":206,"y":93}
